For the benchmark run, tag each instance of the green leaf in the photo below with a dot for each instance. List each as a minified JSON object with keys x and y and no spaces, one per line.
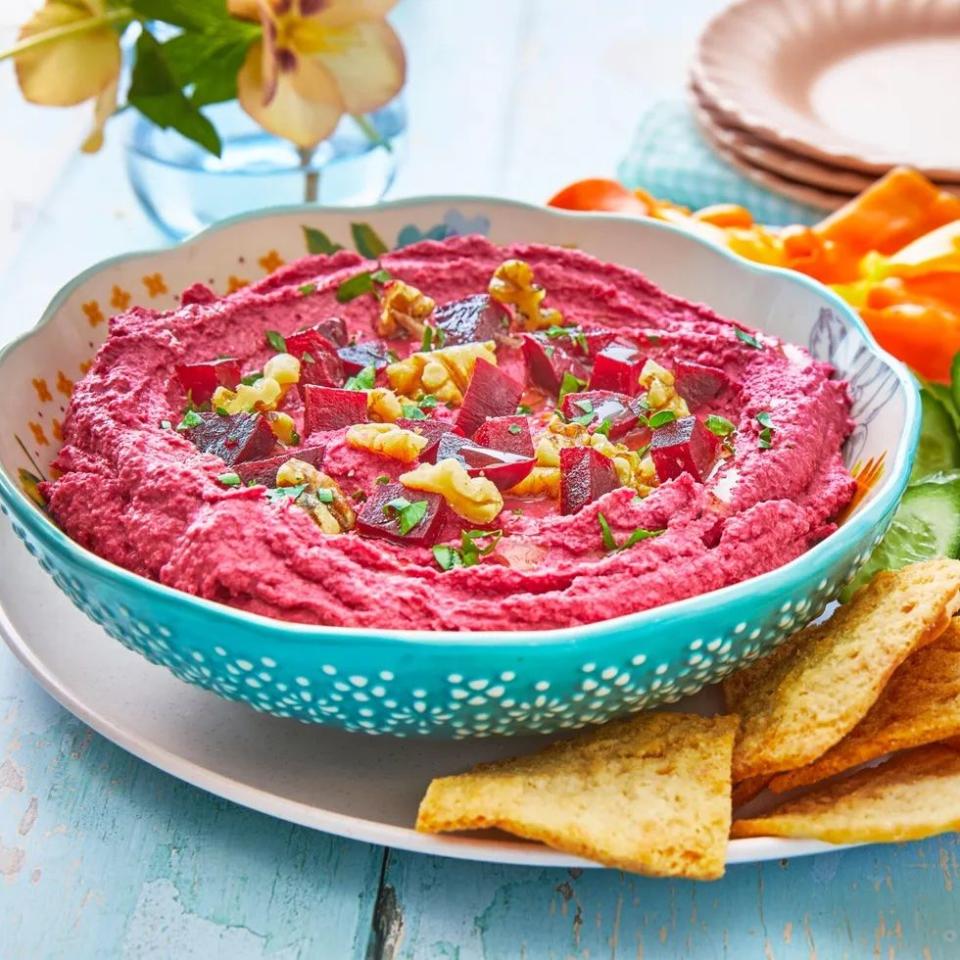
{"x":382,"y":480}
{"x":276,"y":341}
{"x":154,"y":91}
{"x":318,"y":242}
{"x":662,"y":418}
{"x":356,"y":286}
{"x":747,"y":339}
{"x":306,"y":289}
{"x":428,"y":402}
{"x":955,"y":381}
{"x":381,"y":276}
{"x":251,"y":378}
{"x":515,"y":429}
{"x":202,"y":15}
{"x":640,"y":534}
{"x":190,"y":420}
{"x":447,"y":557}
{"x":763,"y":418}
{"x":719,"y":426}
{"x":229,"y":479}
{"x":279,"y":494}
{"x":209,"y":63}
{"x":604,"y":427}
{"x":408,"y":514}
{"x":364,"y":380}
{"x":570,"y":384}
{"x":606,"y":534}
{"x":367,"y":241}
{"x":412,"y":412}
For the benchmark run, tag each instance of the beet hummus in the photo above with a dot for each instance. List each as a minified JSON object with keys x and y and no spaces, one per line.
{"x":460,"y":436}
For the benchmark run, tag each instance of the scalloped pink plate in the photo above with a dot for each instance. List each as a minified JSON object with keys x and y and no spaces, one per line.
{"x":864,"y":84}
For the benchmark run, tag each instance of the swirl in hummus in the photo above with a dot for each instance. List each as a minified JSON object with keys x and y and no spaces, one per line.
{"x":686,"y":453}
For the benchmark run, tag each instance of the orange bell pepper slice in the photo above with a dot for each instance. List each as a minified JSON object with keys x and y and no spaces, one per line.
{"x":891,"y":213}
{"x":598,"y":193}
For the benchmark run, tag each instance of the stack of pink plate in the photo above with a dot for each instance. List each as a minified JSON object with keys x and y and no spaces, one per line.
{"x":815,"y":99}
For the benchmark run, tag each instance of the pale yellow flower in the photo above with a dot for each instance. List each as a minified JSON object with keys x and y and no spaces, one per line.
{"x":316,"y":61}
{"x":82,"y":63}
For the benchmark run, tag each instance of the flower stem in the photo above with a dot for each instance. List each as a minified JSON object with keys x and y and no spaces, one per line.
{"x":371,"y":132}
{"x":58,"y":33}
{"x":311,"y":180}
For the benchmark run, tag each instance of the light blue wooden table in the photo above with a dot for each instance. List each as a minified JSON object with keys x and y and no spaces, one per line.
{"x":102,"y":856}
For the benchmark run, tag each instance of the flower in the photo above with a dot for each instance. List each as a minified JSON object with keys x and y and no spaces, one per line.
{"x":316,"y":60}
{"x":74,"y":56}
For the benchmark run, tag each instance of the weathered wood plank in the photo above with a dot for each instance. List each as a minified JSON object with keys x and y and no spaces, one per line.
{"x":101,"y":855}
{"x":886,"y":902}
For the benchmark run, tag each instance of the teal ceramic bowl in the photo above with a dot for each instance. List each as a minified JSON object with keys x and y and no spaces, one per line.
{"x":419,"y":683}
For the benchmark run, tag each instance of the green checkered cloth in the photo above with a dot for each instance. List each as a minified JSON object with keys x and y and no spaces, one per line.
{"x":670,"y":159}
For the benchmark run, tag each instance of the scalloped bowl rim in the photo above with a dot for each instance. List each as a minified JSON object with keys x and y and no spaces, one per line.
{"x":887,"y":494}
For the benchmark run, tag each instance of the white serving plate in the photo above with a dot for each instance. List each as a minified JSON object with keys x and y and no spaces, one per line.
{"x":351,"y":785}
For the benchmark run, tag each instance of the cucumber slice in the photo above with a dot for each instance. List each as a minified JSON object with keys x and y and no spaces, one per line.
{"x":926,"y":525}
{"x":939,"y":447}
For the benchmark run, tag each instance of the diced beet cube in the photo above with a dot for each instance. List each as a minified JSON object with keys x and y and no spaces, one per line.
{"x":377,"y":520}
{"x":236,"y":438}
{"x":511,"y":434}
{"x":319,"y":362}
{"x":617,"y":368}
{"x":585,"y":476}
{"x":265,"y":471}
{"x":201,"y":379}
{"x":592,"y":407}
{"x":684,"y":446}
{"x":504,"y":469}
{"x":547,"y":363}
{"x":328,"y":408}
{"x":474,"y":318}
{"x":698,"y":384}
{"x":433,"y":430}
{"x":334,"y":329}
{"x":358,"y":356}
{"x":491,"y":393}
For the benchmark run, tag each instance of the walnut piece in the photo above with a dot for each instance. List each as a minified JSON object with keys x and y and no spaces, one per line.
{"x":384,"y":405}
{"x":323,"y":499}
{"x":387,"y":440}
{"x":444,"y":373}
{"x":512,"y":283}
{"x":541,"y":481}
{"x":283,"y":427}
{"x":403,"y":308}
{"x":476,"y":499}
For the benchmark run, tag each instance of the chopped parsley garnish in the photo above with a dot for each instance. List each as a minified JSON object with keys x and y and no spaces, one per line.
{"x":229,"y":479}
{"x":433,"y":338}
{"x":610,"y":543}
{"x":661,"y":418}
{"x":190,"y":420}
{"x":251,"y":378}
{"x":408,"y":514}
{"x":412,"y":412}
{"x":360,"y":284}
{"x":222,"y":412}
{"x":294,"y":439}
{"x":358,"y":495}
{"x":515,"y":429}
{"x":588,"y":412}
{"x":382,"y":480}
{"x":523,"y":410}
{"x":393,"y":356}
{"x":307,"y":288}
{"x":280,"y":494}
{"x":604,"y":427}
{"x":766,"y":431}
{"x":364,"y":380}
{"x":652,"y":337}
{"x":575,"y":334}
{"x":308,"y":357}
{"x":470,"y":552}
{"x":428,"y":402}
{"x":324,"y":495}
{"x":276,"y":341}
{"x":719,"y":426}
{"x":570,"y":384}
{"x":747,"y":339}
{"x":166,"y":425}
